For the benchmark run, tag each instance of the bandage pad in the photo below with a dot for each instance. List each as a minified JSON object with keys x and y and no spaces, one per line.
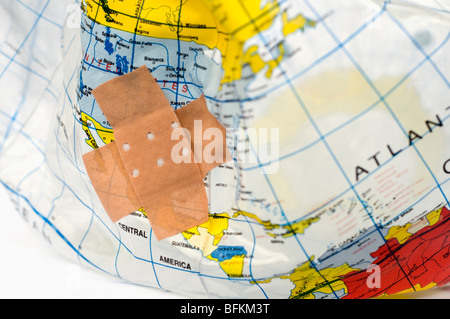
{"x":172,"y":193}
{"x":110,"y":180}
{"x":203,"y":126}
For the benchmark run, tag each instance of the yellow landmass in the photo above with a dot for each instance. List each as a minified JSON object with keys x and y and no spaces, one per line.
{"x":105,"y":134}
{"x":191,"y":232}
{"x":241,"y":21}
{"x":399,"y":232}
{"x":272,"y":64}
{"x":292,"y":229}
{"x":308,"y":280}
{"x":297,"y":23}
{"x":216,"y":224}
{"x":299,"y":227}
{"x":417,"y":287}
{"x":143,"y":211}
{"x":159,"y":19}
{"x":434,"y":216}
{"x":225,"y":25}
{"x":266,"y":223}
{"x":252,"y":58}
{"x":209,"y":234}
{"x":256,"y":63}
{"x":233,"y":267}
{"x":404,"y":293}
{"x":205,"y":241}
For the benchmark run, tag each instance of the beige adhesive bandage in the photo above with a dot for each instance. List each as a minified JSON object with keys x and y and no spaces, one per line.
{"x":110,"y":180}
{"x":140,"y":159}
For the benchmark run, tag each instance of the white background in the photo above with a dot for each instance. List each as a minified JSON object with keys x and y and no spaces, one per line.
{"x":30,"y":269}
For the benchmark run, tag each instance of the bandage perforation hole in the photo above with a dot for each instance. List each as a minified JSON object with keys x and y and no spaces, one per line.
{"x":150,"y":136}
{"x":126,"y":147}
{"x":135,"y":173}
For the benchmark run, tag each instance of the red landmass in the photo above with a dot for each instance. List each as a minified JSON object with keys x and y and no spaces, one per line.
{"x":422,"y":259}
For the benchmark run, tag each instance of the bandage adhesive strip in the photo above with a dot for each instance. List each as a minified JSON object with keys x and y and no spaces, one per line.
{"x":138,"y":170}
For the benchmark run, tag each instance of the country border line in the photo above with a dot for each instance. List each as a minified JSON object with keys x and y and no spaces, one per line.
{"x":401,"y":246}
{"x":134,"y":36}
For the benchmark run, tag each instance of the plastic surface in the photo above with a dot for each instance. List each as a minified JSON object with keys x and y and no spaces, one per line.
{"x":350,"y":201}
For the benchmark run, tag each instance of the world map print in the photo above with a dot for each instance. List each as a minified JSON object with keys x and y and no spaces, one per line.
{"x":354,"y":203}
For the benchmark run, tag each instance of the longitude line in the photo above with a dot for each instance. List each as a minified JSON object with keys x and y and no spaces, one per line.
{"x":44,"y":18}
{"x":312,"y":263}
{"x":332,"y":131}
{"x":12,"y":59}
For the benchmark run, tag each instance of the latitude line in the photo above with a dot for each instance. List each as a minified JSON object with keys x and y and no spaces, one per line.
{"x":341,"y":126}
{"x":64,"y":186}
{"x":136,"y":257}
{"x":67,"y":96}
{"x":312,"y":263}
{"x":262,"y":15}
{"x":358,"y":67}
{"x":418,"y":47}
{"x":25,"y":39}
{"x":303,"y":106}
{"x":25,"y":67}
{"x":388,"y":107}
{"x":11,"y":60}
{"x":306,"y":69}
{"x":152,"y":21}
{"x":134,"y":36}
